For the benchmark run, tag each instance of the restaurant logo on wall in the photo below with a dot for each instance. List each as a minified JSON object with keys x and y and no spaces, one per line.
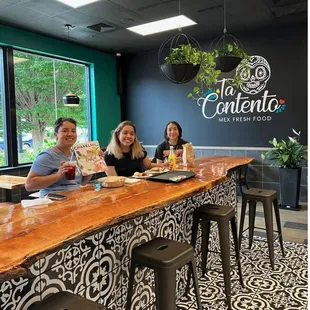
{"x":230,"y":104}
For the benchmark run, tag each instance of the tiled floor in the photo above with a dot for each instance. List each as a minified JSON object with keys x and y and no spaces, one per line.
{"x":294,"y":223}
{"x":284,"y":288}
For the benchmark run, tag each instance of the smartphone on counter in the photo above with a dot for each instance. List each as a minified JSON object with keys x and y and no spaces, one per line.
{"x":53,"y":196}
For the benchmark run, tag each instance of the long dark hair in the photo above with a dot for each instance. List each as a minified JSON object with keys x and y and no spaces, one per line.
{"x":179,"y":129}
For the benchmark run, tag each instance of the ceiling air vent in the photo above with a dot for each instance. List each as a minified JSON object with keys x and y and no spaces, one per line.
{"x":101,"y":27}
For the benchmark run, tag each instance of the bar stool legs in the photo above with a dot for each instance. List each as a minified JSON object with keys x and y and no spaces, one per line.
{"x":269,"y":230}
{"x":222,"y":215}
{"x":277,"y":214}
{"x":269,"y":201}
{"x":165,"y":290}
{"x":233,"y":224}
{"x":252,"y":212}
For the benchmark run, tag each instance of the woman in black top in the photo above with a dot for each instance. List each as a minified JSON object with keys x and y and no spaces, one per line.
{"x":125,"y":155}
{"x":173,"y":137}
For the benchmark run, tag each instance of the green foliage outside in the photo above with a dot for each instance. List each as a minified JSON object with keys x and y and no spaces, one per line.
{"x":40,"y":84}
{"x":287,"y":154}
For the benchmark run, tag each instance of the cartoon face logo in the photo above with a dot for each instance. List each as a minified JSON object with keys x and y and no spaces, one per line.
{"x":254,"y":74}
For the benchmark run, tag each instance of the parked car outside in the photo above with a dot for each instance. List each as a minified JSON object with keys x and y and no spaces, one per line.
{"x":27,"y":141}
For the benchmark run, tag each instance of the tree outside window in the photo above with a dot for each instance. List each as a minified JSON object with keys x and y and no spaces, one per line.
{"x":40,"y":84}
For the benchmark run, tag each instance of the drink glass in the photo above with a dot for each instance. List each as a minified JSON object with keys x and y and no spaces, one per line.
{"x":70,"y":174}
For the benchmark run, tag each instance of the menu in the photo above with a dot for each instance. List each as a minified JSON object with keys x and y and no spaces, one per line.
{"x":88,"y":159}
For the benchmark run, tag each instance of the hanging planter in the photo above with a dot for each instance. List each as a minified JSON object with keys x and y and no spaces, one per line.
{"x":180,"y":73}
{"x":228,"y":53}
{"x":179,"y":58}
{"x":227,"y":63}
{"x":228,"y":50}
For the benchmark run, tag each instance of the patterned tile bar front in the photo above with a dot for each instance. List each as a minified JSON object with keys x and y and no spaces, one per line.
{"x":97,"y":267}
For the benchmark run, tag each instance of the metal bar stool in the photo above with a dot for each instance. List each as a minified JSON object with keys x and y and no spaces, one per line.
{"x":267,"y":197}
{"x":222,"y":215}
{"x":66,"y":301}
{"x":164,"y":256}
{"x":243,"y":171}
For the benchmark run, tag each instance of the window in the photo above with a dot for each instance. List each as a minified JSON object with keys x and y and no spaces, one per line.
{"x":40,"y":83}
{"x":3,"y":152}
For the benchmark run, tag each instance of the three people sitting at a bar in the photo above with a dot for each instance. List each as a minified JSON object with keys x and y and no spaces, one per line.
{"x":124,"y":156}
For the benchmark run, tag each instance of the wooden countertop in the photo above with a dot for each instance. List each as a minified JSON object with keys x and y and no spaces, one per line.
{"x":29,"y":233}
{"x":11,"y":181}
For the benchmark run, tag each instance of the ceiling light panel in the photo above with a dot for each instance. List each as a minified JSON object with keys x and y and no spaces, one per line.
{"x":77,"y":3}
{"x":163,"y":25}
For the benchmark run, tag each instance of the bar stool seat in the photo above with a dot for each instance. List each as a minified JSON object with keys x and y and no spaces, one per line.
{"x":66,"y":301}
{"x":267,"y":197}
{"x":222,"y":215}
{"x":164,"y":256}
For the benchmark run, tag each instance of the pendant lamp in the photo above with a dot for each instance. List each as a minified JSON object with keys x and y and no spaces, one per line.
{"x":70,"y":100}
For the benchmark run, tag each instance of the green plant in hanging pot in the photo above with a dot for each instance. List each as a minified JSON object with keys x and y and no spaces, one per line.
{"x":289,"y":156}
{"x":208,"y":75}
{"x":182,"y":64}
{"x":229,"y":57}
{"x":184,"y":54}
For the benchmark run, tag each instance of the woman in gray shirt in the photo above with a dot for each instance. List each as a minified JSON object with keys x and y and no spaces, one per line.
{"x":48,"y":170}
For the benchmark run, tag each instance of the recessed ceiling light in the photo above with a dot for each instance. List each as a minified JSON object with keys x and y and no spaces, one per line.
{"x":77,"y":3}
{"x":163,"y":25}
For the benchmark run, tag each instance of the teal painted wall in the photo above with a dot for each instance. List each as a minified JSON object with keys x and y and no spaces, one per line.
{"x":105,"y":102}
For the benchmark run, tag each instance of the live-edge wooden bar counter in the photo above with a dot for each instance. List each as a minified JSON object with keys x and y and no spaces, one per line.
{"x":83,"y":244}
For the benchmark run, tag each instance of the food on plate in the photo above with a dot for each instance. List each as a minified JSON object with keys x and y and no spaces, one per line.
{"x":157,"y":169}
{"x":140,"y":174}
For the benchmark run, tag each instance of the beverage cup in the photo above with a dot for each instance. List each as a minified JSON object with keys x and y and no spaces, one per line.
{"x":71,"y":166}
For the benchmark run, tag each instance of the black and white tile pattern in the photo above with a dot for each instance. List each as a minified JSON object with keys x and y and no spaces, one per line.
{"x":285,"y":288}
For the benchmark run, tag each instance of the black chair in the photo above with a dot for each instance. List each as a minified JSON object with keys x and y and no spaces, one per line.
{"x":164,"y":256}
{"x":222,"y":215}
{"x":66,"y":301}
{"x":267,"y":197}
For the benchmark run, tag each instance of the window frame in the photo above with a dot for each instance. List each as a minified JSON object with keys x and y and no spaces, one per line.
{"x":9,"y":106}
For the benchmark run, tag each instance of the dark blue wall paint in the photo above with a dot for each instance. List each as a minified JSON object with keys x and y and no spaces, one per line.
{"x":151,"y":101}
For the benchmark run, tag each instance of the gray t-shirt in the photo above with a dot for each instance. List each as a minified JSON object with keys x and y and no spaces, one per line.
{"x":47,"y":163}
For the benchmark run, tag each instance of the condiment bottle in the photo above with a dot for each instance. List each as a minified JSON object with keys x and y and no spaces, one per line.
{"x":184,"y":155}
{"x":172,"y":158}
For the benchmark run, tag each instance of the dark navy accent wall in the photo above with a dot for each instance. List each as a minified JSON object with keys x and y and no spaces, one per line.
{"x":151,"y":101}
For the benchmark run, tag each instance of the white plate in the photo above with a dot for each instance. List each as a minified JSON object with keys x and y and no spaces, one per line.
{"x":149,"y":174}
{"x":140,"y":177}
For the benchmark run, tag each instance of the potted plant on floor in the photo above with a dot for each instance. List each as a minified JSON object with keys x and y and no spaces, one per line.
{"x":289,"y":156}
